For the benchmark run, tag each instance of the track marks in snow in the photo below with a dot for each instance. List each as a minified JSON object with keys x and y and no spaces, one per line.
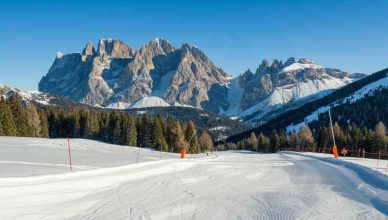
{"x":230,"y":186}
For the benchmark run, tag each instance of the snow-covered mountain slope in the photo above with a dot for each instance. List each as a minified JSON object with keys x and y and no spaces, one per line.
{"x":289,"y":93}
{"x":346,"y":103}
{"x":221,"y":186}
{"x":354,"y":97}
{"x":34,"y":96}
{"x":150,"y":101}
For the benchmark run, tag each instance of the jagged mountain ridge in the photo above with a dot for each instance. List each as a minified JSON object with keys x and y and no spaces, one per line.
{"x":117,"y":75}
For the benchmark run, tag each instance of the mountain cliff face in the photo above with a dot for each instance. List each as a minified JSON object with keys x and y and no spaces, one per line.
{"x":275,"y":88}
{"x":118,"y":75}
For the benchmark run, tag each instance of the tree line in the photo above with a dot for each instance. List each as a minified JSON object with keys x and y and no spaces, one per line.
{"x":352,"y":138}
{"x":25,"y":119}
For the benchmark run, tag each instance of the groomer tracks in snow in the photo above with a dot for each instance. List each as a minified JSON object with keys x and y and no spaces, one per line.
{"x":226,"y":185}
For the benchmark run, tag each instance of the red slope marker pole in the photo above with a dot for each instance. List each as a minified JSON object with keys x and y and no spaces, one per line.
{"x":68,"y":146}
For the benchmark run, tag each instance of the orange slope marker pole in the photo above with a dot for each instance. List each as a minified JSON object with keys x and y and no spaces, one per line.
{"x":335,"y":151}
{"x":183,"y":152}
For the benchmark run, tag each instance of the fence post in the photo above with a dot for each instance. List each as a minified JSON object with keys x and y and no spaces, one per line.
{"x":378,"y":160}
{"x":137,"y":157}
{"x":68,"y":147}
{"x":386,"y":170}
{"x":359,"y":151}
{"x":363,"y":152}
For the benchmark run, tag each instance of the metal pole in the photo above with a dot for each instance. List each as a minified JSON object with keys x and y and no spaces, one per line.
{"x":187,"y":143}
{"x":331,"y":125}
{"x":68,"y":146}
{"x":138,"y":152}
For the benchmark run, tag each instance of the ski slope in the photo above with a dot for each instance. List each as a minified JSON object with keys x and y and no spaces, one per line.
{"x":225,"y":185}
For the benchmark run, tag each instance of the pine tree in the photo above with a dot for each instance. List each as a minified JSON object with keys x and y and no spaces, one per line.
{"x":174,"y":136}
{"x":252,"y":142}
{"x":263,"y":143}
{"x":380,"y":137}
{"x":34,"y":120}
{"x":306,"y":138}
{"x":131,"y":134}
{"x":283,"y":140}
{"x":191,"y":138}
{"x":205,"y":142}
{"x":181,"y":138}
{"x":6,"y":119}
{"x":144,"y":132}
{"x":275,"y":141}
{"x":324,"y":138}
{"x":157,"y":137}
{"x":20,"y":117}
{"x":293,"y":140}
{"x":44,"y":131}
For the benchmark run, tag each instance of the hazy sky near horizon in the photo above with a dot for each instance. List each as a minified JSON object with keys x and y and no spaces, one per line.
{"x":236,"y":35}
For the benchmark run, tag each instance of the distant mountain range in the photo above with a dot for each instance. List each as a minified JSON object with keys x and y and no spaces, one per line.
{"x":116,"y":75}
{"x":362,"y":103}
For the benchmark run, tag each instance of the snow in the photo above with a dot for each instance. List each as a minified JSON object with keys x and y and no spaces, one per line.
{"x":357,"y":95}
{"x":353,"y":162}
{"x":150,"y":101}
{"x":42,"y":98}
{"x":296,"y":92}
{"x":59,"y":55}
{"x":225,"y":185}
{"x":312,"y":117}
{"x":183,"y":105}
{"x":49,"y":156}
{"x":219,"y":128}
{"x":234,"y":97}
{"x":368,"y":89}
{"x":299,"y":66}
{"x":165,"y":83}
{"x":119,"y":105}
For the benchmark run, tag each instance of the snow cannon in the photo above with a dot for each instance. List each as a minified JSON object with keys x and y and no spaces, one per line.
{"x":335,"y":152}
{"x":183,"y":152}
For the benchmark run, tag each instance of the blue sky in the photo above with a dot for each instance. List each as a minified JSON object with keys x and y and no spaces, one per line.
{"x":236,"y":35}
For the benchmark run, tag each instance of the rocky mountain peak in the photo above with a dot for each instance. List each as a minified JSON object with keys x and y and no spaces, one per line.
{"x":115,"y":48}
{"x":59,"y":55}
{"x":164,"y":45}
{"x":276,"y":64}
{"x":117,"y":73}
{"x":306,"y":61}
{"x":89,"y":49}
{"x":289,"y":62}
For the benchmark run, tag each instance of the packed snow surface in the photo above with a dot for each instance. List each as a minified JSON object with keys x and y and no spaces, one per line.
{"x":150,"y":101}
{"x":224,"y":185}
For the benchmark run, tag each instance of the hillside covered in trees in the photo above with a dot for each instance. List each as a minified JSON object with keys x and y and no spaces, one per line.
{"x":18,"y":118}
{"x":358,"y":124}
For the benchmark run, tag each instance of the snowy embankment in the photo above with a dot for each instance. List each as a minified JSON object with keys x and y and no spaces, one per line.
{"x":226,"y":185}
{"x":352,"y":162}
{"x":24,"y":156}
